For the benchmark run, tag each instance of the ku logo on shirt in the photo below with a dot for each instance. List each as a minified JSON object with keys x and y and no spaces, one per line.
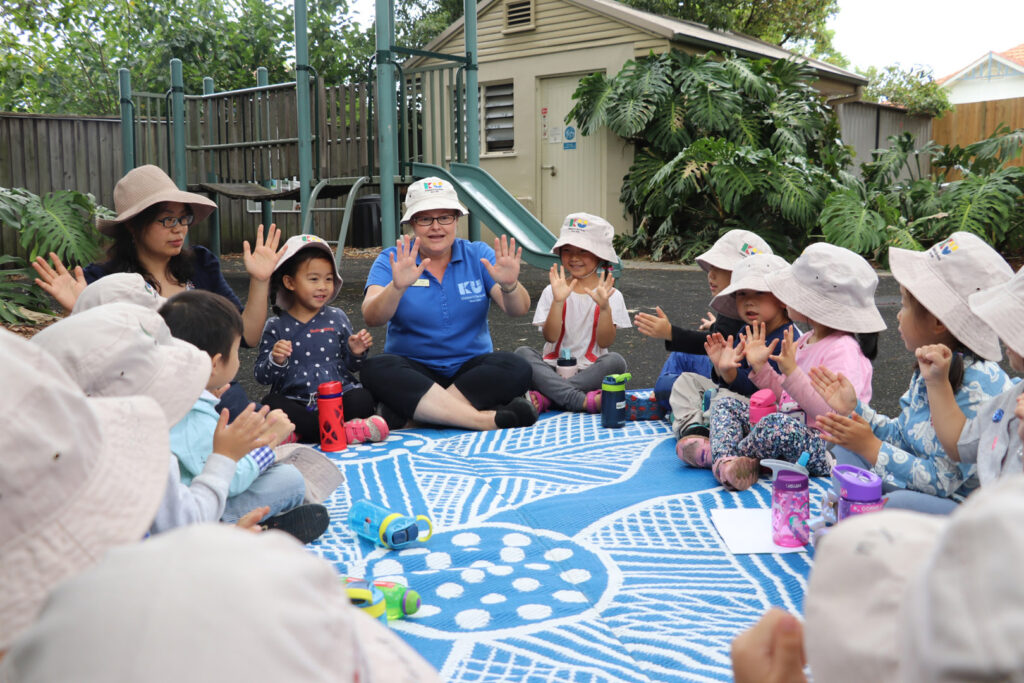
{"x":471,"y":290}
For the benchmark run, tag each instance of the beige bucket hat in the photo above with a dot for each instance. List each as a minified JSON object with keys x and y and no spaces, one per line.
{"x":431,"y":193}
{"x":79,"y":475}
{"x":731,"y":248}
{"x":944,"y":276}
{"x":292,"y":247}
{"x":910,"y":597}
{"x":141,"y":188}
{"x":1002,"y":309}
{"x":119,"y":287}
{"x":750,"y":273}
{"x":123,"y":349}
{"x":269,"y":611}
{"x":832,"y":286}
{"x":589,"y":232}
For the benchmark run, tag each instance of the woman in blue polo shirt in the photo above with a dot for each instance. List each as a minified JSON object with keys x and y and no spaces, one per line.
{"x":433,"y":292}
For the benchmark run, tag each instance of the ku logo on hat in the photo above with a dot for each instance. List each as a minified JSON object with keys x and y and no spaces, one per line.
{"x":310,"y":238}
{"x":749,"y":249}
{"x":946,"y":247}
{"x":433,"y":186}
{"x":579,"y":223}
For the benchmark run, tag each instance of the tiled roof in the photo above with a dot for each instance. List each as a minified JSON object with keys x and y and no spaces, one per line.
{"x":1014,"y":54}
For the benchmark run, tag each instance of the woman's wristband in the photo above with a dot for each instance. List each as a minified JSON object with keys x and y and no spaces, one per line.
{"x":510,"y":290}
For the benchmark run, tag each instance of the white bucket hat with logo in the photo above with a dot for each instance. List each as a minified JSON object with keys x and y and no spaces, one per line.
{"x":832,"y":286}
{"x":731,"y":248}
{"x":1002,"y":309}
{"x":943,"y":277}
{"x":119,"y":287}
{"x":751,"y":273}
{"x":431,"y":193}
{"x":589,"y":232}
{"x":269,"y":611}
{"x":904,"y":596}
{"x":122,"y":349}
{"x":292,"y":247}
{"x":141,"y":188}
{"x":79,"y":475}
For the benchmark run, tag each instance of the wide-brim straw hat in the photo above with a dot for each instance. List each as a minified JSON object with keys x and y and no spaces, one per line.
{"x":751,"y":274}
{"x":731,"y":248}
{"x":293,"y":246}
{"x":141,"y":188}
{"x":589,"y":232}
{"x":832,"y":286}
{"x":431,"y":193}
{"x":79,"y":476}
{"x":1002,"y":309}
{"x":945,"y":276}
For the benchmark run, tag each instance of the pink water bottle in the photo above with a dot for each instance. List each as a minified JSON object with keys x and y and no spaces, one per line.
{"x":790,"y":509}
{"x":332,"y":417}
{"x":762,"y":402}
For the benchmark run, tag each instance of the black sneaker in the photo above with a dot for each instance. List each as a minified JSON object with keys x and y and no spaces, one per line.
{"x":305,"y":522}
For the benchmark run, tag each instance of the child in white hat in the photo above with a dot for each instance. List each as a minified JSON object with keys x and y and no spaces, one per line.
{"x":579,"y":311}
{"x":905,"y":451}
{"x":992,"y":439}
{"x":832,"y":290}
{"x":311,"y":342}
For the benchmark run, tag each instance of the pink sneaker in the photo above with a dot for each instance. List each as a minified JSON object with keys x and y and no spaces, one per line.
{"x":373,"y":428}
{"x":541,"y":402}
{"x":695,"y":451}
{"x":737,"y":473}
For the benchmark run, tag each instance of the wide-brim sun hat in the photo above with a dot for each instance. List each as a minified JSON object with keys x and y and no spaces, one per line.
{"x":293,"y":246}
{"x":119,"y":287}
{"x":135,"y":616}
{"x":731,"y":248}
{"x":431,"y":193}
{"x":945,"y":276}
{"x":930,"y":598}
{"x":589,"y":232}
{"x":832,"y":286}
{"x":141,"y":188}
{"x":750,"y":274}
{"x":123,"y":349}
{"x":1002,"y":308}
{"x":79,"y":475}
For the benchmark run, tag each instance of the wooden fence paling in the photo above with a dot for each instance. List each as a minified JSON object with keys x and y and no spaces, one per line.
{"x":974,"y":121}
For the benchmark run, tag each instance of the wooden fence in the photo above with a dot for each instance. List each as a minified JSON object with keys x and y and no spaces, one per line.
{"x":45,"y":153}
{"x":974,"y":121}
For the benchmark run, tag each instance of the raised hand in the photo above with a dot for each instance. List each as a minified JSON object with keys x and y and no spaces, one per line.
{"x":260,"y":262}
{"x":852,"y":433}
{"x":560,"y":287}
{"x":58,"y":282}
{"x":360,"y":342}
{"x":243,"y":435}
{"x":786,"y":358}
{"x":404,"y":269}
{"x":836,"y":389}
{"x":756,"y":352}
{"x":933,"y":360}
{"x":654,"y":326}
{"x":706,"y":323}
{"x":603,"y":291}
{"x":277,"y":427}
{"x":505,"y":270}
{"x":714,"y":345}
{"x":281,"y":351}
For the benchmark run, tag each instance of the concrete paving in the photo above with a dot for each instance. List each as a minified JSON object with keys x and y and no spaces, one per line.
{"x":681,"y":291}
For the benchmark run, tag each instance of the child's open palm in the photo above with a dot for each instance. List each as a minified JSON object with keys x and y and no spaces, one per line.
{"x":757,"y":352}
{"x":243,"y":435}
{"x":360,"y":342}
{"x":722,"y":354}
{"x":835,"y":388}
{"x":560,"y":286}
{"x":786,"y":358}
{"x":603,"y":291}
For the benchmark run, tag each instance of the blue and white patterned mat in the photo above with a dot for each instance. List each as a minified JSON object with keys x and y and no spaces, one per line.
{"x":561,"y":552}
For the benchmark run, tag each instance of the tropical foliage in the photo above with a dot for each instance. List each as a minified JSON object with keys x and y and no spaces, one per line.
{"x":719,"y":144}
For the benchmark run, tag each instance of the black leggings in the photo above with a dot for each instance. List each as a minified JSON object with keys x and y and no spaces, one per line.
{"x":488,"y":381}
{"x":356,"y":402}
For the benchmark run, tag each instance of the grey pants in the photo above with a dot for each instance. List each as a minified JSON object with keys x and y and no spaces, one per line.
{"x":570,"y":394}
{"x":687,"y":400}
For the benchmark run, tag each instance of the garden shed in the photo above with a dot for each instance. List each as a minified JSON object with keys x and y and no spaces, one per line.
{"x":532,"y":54}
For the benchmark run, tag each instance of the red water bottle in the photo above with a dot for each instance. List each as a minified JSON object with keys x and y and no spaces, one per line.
{"x":332,"y":417}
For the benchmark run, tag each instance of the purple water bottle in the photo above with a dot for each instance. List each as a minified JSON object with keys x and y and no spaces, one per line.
{"x":790,"y":509}
{"x":859,"y":491}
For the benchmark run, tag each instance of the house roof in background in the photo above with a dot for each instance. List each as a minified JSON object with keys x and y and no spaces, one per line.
{"x":1014,"y":58}
{"x":682,"y":32}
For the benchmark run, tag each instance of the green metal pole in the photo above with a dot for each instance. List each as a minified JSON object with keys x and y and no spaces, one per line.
{"x":302,"y":107}
{"x":124,"y":87}
{"x":386,"y":120}
{"x":472,"y":103}
{"x":178,"y":123}
{"x":211,"y":176}
{"x":262,"y":79}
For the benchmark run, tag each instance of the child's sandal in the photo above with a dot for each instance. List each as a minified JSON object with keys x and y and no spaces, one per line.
{"x":540,"y":402}
{"x":592,"y":404}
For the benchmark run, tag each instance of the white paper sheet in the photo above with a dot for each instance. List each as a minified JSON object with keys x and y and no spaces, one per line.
{"x":747,"y":530}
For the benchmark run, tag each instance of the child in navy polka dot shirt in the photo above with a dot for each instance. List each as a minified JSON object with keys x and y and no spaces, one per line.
{"x":310,"y":342}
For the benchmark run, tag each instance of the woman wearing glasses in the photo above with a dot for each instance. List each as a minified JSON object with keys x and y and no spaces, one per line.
{"x":434,"y":291}
{"x":153,"y":218}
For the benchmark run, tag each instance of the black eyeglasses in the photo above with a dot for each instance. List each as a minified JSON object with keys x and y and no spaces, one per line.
{"x":171,"y":221}
{"x":425,"y":221}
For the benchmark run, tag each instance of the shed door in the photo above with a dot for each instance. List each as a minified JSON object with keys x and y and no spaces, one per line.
{"x":571,"y":169}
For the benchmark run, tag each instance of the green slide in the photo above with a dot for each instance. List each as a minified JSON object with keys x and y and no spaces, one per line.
{"x":497,"y":208}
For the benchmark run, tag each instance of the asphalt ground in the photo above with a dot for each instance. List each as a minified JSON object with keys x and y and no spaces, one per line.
{"x":681,"y":291}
